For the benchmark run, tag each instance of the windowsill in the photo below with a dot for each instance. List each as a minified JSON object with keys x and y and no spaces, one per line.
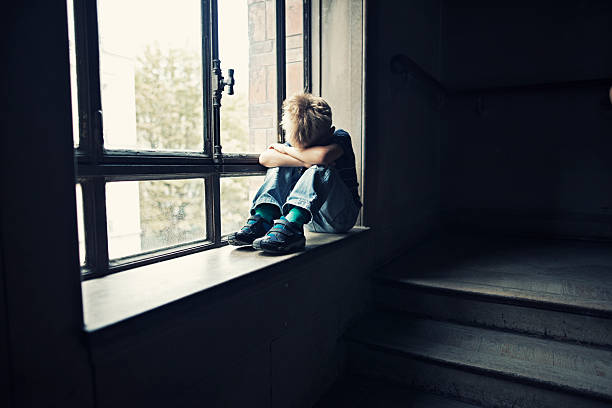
{"x":121,"y":296}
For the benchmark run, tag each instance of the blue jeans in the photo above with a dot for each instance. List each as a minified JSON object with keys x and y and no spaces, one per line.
{"x":318,"y":189}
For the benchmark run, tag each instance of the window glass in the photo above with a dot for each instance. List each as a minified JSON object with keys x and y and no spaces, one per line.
{"x":80,"y":223}
{"x":151,"y":74}
{"x":152,"y":96}
{"x":236,"y":197}
{"x":148,"y":215}
{"x":73,"y":75}
{"x":294,"y":46}
{"x":247,"y":43}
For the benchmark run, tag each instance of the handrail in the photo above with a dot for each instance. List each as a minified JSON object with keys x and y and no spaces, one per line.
{"x":403,"y":65}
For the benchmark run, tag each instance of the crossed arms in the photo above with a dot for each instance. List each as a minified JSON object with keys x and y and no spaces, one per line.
{"x":280,"y":155}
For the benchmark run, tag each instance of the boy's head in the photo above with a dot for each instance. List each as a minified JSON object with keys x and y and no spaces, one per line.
{"x":307,"y":120}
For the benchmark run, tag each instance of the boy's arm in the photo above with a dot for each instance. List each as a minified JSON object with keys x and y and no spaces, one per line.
{"x":273,"y":158}
{"x":322,"y":155}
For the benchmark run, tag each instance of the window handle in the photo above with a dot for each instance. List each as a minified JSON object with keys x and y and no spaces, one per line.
{"x":219,"y":82}
{"x":230,"y":81}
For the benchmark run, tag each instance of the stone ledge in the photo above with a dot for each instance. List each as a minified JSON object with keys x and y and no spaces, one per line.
{"x":115,"y":298}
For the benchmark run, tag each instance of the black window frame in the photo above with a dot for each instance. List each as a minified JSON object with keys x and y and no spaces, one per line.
{"x":96,"y":166}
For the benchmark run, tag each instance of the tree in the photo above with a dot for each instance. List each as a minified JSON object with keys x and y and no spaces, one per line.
{"x":169,"y":116}
{"x":169,"y":99}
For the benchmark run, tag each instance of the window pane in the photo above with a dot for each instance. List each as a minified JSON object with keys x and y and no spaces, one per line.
{"x":294,"y":46}
{"x":151,"y":74}
{"x":148,"y":215}
{"x":80,"y":224}
{"x":73,"y":75}
{"x":247,"y":43}
{"x":236,"y":197}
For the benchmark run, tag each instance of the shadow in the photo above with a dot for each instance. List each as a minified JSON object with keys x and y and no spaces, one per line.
{"x":269,"y":254}
{"x":245,"y":248}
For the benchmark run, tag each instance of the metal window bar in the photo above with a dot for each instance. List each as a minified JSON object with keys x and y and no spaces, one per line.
{"x":90,"y":136}
{"x":307,"y":44}
{"x":151,"y":257}
{"x":216,"y":91}
{"x":88,"y":79}
{"x":206,"y":44}
{"x":213,"y":202}
{"x":281,"y":88}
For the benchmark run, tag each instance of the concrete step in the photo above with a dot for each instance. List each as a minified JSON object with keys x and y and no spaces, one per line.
{"x":482,"y":366}
{"x":362,"y":392}
{"x":559,"y":289}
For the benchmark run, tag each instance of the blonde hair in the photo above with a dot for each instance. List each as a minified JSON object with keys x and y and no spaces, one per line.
{"x":306,"y":118}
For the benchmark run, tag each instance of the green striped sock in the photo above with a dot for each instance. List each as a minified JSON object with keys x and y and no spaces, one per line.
{"x":268,"y":212}
{"x":298,"y":215}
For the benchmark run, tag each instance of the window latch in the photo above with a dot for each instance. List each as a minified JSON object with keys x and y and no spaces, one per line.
{"x":219,"y":82}
{"x":230,"y":82}
{"x":218,"y":85}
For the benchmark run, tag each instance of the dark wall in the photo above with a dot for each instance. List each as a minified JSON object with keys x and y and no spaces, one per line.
{"x":48,"y":357}
{"x":532,"y":159}
{"x":522,"y":42}
{"x":402,"y":122}
{"x":537,"y":161}
{"x":271,"y":340}
{"x":5,"y":352}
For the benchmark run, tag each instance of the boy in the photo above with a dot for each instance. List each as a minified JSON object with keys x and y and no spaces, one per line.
{"x":310,"y":180}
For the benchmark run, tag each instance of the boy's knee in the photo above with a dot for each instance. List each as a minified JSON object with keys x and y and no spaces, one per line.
{"x":277,"y":170}
{"x":320,"y":172}
{"x":319,"y":169}
{"x":286,"y":173}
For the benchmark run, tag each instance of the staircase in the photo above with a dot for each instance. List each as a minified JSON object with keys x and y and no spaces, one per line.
{"x":491,"y":322}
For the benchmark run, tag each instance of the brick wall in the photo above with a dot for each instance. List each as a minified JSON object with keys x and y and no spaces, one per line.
{"x":262,"y":65}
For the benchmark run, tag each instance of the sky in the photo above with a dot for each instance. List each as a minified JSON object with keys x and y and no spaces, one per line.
{"x":126,"y":27}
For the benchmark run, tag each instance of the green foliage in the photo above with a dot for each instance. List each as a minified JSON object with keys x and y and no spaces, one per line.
{"x":169,"y":100}
{"x":236,"y":196}
{"x":171,"y":212}
{"x":234,"y":123}
{"x":169,"y":116}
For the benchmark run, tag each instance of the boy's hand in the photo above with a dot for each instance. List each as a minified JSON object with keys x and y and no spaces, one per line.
{"x":279,"y":147}
{"x":320,"y":155}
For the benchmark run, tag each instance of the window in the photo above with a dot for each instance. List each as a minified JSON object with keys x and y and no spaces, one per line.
{"x":168,"y":141}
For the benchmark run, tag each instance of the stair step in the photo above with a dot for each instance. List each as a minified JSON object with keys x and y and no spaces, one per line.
{"x":361,"y":392}
{"x":501,"y":314}
{"x":559,"y":289}
{"x":573,"y":276}
{"x":474,"y":355}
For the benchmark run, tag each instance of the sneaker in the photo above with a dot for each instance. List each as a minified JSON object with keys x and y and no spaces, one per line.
{"x":256,"y":227}
{"x":284,"y":237}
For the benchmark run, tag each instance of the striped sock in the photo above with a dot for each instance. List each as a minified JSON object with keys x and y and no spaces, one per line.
{"x":268,"y":212}
{"x":298,"y":215}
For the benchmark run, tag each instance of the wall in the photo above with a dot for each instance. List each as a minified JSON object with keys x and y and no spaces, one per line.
{"x":534,"y":159}
{"x":48,"y":358}
{"x":338,"y":45}
{"x":521,"y":42}
{"x":5,"y":352}
{"x":262,"y":65}
{"x":269,"y":340}
{"x":402,"y":124}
